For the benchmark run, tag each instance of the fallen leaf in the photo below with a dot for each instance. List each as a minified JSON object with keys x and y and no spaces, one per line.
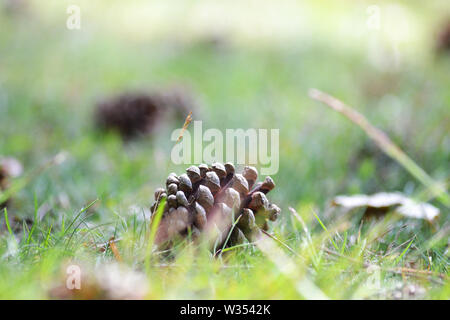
{"x":114,"y":249}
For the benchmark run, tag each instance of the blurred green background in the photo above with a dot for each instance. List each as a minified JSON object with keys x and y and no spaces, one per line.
{"x":250,"y":65}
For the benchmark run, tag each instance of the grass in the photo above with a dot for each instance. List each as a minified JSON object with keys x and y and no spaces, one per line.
{"x":51,"y":78}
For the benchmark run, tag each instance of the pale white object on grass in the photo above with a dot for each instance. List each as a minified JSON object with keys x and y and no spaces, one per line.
{"x":120,"y":282}
{"x":405,"y":206}
{"x":12,"y":166}
{"x":377,"y":200}
{"x":419,"y":210}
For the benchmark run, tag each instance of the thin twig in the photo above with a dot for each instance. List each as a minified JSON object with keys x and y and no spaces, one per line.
{"x":412,"y":271}
{"x":103,"y":246}
{"x":114,"y":249}
{"x":185,"y":125}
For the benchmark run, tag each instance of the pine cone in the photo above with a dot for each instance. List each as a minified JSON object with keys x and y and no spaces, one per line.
{"x":133,"y":113}
{"x":15,"y":7}
{"x":206,"y":198}
{"x":443,"y":41}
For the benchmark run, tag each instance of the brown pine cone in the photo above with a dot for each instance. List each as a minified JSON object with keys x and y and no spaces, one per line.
{"x":443,"y":41}
{"x":133,"y":113}
{"x":15,"y":7}
{"x":207,"y":198}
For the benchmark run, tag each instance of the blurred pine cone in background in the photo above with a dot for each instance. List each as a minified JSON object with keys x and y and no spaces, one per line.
{"x":443,"y":41}
{"x":210,"y":199}
{"x":14,"y":7}
{"x":136,"y":113}
{"x":9,"y":168}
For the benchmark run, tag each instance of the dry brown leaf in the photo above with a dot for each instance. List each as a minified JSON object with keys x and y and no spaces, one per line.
{"x":114,"y":249}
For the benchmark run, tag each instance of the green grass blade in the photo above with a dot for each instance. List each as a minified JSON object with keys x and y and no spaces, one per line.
{"x":35,"y":220}
{"x":48,"y":236}
{"x":345,"y":243}
{"x":155,"y":220}
{"x":7,"y":222}
{"x":404,"y":251}
{"x":326,"y":230}
{"x":229,"y":235}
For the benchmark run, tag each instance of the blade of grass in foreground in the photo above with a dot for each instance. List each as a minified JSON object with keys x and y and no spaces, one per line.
{"x":326,"y":230}
{"x":35,"y":221}
{"x":74,"y":220}
{"x":385,"y":143}
{"x":404,"y":251}
{"x":289,"y":268}
{"x":229,"y":235}
{"x":7,"y":222}
{"x":154,"y":224}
